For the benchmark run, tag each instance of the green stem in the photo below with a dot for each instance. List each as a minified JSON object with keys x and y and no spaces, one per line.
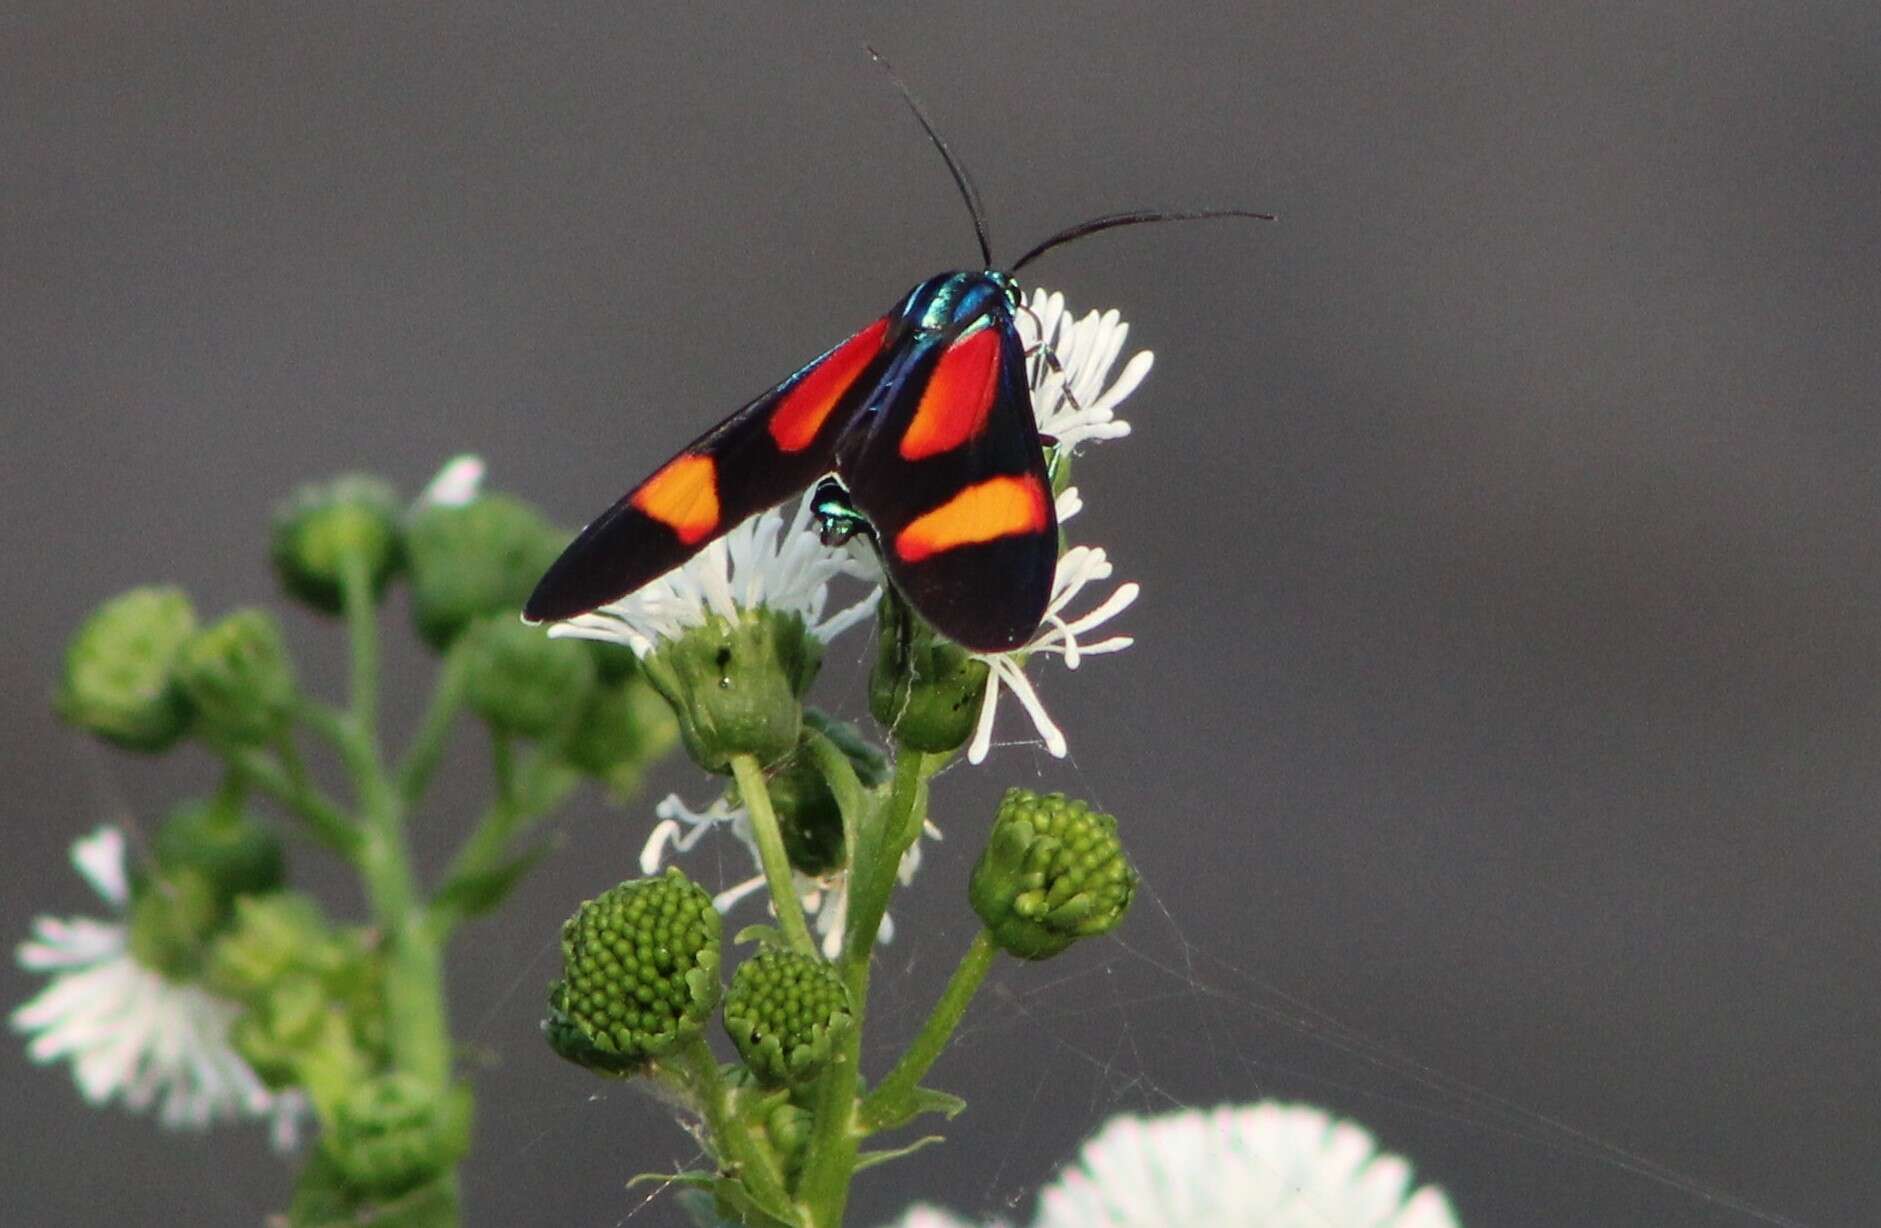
{"x":764,"y":829}
{"x":417,"y":1028}
{"x":873,"y":875}
{"x":289,"y":786}
{"x":427,"y":745}
{"x":535,"y":788}
{"x":736,"y":1147}
{"x":362,"y":629}
{"x":844,"y":785}
{"x":893,"y":1097}
{"x":836,"y":1132}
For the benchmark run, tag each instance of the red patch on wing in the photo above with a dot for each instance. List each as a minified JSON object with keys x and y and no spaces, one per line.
{"x":683,"y":496}
{"x":957,"y":399}
{"x":801,"y":412}
{"x":986,"y":511}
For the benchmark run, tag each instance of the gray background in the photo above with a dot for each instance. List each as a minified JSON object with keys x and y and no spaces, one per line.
{"x":1506,"y":685}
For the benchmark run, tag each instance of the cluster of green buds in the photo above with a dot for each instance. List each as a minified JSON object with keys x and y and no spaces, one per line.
{"x":351,"y":1019}
{"x":1053,"y":872}
{"x":785,"y":1012}
{"x":312,"y":994}
{"x":640,"y":974}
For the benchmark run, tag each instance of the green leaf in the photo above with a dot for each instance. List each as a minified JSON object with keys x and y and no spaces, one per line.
{"x":763,"y":935}
{"x":471,"y":895}
{"x":869,"y":1159}
{"x":898,"y":1113}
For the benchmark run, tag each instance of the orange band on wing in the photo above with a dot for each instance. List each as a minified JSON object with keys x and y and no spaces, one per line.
{"x":986,"y":511}
{"x":957,"y":398}
{"x":801,"y":412}
{"x":683,"y":496}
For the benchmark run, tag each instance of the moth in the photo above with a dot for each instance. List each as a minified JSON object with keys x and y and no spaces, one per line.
{"x":924,"y":417}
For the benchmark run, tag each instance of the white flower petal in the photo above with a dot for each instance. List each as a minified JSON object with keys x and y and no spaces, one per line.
{"x":1079,"y":567}
{"x":764,"y":561}
{"x":100,"y":858}
{"x":456,"y":484}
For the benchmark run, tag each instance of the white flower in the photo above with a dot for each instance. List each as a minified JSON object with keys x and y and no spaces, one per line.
{"x":1085,"y":351}
{"x":921,"y":1215}
{"x":1268,"y":1165}
{"x":825,"y":897}
{"x":762,"y":562}
{"x":131,"y":1034}
{"x":455,"y":485}
{"x":1080,"y":567}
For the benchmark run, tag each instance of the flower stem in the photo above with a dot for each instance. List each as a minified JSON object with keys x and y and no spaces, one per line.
{"x":422,"y":756}
{"x":525,"y":794}
{"x":844,"y":785}
{"x":328,"y":823}
{"x":823,"y":1190}
{"x":417,"y":1028}
{"x":770,"y":839}
{"x":362,"y":629}
{"x":737,"y":1149}
{"x":893,"y":1097}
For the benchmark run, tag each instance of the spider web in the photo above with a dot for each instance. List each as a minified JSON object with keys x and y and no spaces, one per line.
{"x":1111,"y":1027}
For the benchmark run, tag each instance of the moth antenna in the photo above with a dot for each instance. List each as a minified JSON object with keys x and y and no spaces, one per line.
{"x":1134,"y":217}
{"x":962,"y":180}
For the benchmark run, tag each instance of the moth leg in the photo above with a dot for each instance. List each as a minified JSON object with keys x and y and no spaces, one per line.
{"x":1050,"y":359}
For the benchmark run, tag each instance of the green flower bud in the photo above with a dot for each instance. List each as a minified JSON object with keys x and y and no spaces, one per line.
{"x":626,"y":727}
{"x":523,"y":682}
{"x":294,"y":1035}
{"x":1053,"y":872}
{"x":472,"y":559}
{"x":270,"y":938}
{"x":737,"y":686}
{"x":790,"y":1128}
{"x":324,"y":1197}
{"x":171,"y":921}
{"x":786,"y":1012}
{"x":395,"y":1132}
{"x":327,"y":523}
{"x":237,"y":853}
{"x":120,"y":670}
{"x":925,"y":689}
{"x":639,"y":972}
{"x":807,"y":814}
{"x":238,"y":677}
{"x":204,"y":856}
{"x":315,"y":1014}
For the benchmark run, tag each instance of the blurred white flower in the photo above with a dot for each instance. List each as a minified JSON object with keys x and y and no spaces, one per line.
{"x":1267,"y":1165}
{"x":921,"y":1215}
{"x":824,"y":897}
{"x":131,"y":1034}
{"x":764,"y":561}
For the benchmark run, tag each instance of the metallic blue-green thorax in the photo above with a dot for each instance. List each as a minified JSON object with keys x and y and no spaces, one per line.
{"x":957,"y":303}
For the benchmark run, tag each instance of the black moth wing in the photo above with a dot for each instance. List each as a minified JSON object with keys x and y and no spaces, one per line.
{"x":761,"y":455}
{"x":968,"y":532}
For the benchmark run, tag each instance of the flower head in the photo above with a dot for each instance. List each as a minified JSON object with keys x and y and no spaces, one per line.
{"x":825,"y":896}
{"x":1276,"y":1165}
{"x":1070,"y":397}
{"x":765,"y":561}
{"x":130,"y":1033}
{"x":1058,"y":635}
